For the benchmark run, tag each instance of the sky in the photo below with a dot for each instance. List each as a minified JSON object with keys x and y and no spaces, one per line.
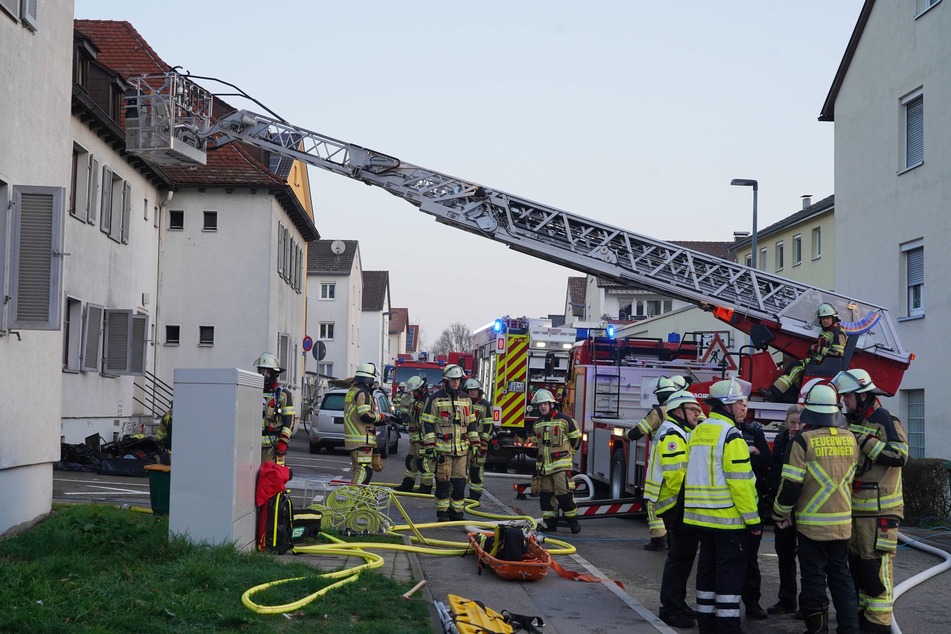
{"x":634,"y":113}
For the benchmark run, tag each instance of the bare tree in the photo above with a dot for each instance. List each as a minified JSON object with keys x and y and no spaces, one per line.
{"x":456,"y":338}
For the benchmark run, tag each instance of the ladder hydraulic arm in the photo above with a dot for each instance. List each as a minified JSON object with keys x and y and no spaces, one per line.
{"x":776,"y":311}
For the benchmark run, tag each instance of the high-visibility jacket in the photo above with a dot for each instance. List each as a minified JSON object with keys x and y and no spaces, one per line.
{"x":877,"y":488}
{"x":817,"y":482}
{"x":484,"y":424}
{"x":360,"y":418}
{"x":831,"y":343}
{"x":649,"y":424}
{"x":411,"y":408}
{"x":558,"y":437}
{"x":719,"y":490}
{"x":278,"y":415}
{"x":449,"y":423}
{"x":668,"y":465}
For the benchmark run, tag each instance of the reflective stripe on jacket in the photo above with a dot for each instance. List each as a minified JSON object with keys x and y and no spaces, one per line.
{"x":449,"y":423}
{"x":360,"y":418}
{"x":278,"y":415}
{"x":557,"y":436}
{"x":877,"y":489}
{"x":667,"y":466}
{"x":720,"y":490}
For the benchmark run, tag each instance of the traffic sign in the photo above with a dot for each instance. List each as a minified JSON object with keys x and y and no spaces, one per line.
{"x":307,"y":344}
{"x":319,"y":351}
{"x":717,"y":353}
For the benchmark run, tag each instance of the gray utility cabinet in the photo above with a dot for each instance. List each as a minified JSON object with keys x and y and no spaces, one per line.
{"x":216,"y":453}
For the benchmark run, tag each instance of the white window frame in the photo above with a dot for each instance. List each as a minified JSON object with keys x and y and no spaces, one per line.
{"x":327,"y":369}
{"x":326,"y":331}
{"x":761,"y":263}
{"x":81,"y":183}
{"x":924,"y":6}
{"x":909,"y":248}
{"x":816,"y":243}
{"x":124,"y":342}
{"x":748,"y":261}
{"x":913,"y":141}
{"x":36,"y":219}
{"x":797,"y":249}
{"x":780,"y":256}
{"x":328,"y":291}
{"x":915,"y":416}
{"x":283,"y":349}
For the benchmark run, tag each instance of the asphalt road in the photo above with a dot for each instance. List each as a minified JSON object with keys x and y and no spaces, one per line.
{"x":613,"y":545}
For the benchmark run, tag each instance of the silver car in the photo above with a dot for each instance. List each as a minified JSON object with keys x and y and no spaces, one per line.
{"x":326,"y":425}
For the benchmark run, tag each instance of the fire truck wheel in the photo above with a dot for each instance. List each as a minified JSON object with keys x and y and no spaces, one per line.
{"x":618,"y":475}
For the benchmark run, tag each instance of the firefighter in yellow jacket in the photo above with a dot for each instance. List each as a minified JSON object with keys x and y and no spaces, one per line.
{"x":360,"y":419}
{"x":449,"y":434}
{"x":411,"y":408}
{"x":720,"y":502}
{"x":816,"y":483}
{"x":664,"y":489}
{"x":831,"y":343}
{"x":278,"y":410}
{"x":485,"y":426}
{"x":558,"y":438}
{"x":877,"y":500}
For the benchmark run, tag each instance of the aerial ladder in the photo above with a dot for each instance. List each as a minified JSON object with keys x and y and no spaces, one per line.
{"x":776,"y":312}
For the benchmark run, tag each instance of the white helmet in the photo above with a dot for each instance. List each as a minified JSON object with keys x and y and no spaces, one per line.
{"x":268,"y":360}
{"x":853,"y":381}
{"x":730,"y":391}
{"x":453,"y":371}
{"x":474,"y":384}
{"x":543,"y":396}
{"x":402,"y":385}
{"x":682,"y":397}
{"x":821,"y":404}
{"x":826,"y":310}
{"x":366,"y":373}
{"x":414,"y":383}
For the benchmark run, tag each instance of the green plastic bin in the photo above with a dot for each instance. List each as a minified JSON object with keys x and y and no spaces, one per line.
{"x":160,"y":484}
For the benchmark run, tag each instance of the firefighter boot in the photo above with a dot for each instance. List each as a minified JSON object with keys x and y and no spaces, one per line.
{"x":817,"y":622}
{"x":425,"y":489}
{"x":550,"y":525}
{"x":455,"y":516}
{"x":407,"y":485}
{"x":656,"y":543}
{"x":475,"y":495}
{"x":442,"y":516}
{"x":574,"y":525}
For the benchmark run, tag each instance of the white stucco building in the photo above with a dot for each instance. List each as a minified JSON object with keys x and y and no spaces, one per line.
{"x":375,"y":319}
{"x":890,"y":101}
{"x":35,"y":149}
{"x":334,"y":305}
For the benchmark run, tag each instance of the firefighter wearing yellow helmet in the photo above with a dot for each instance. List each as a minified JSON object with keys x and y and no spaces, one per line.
{"x":360,"y":418}
{"x":485,"y":426}
{"x":411,"y":408}
{"x":877,"y":499}
{"x":720,"y":502}
{"x":558,"y":438}
{"x":449,"y":434}
{"x":278,"y":410}
{"x":816,"y":480}
{"x":831,"y":343}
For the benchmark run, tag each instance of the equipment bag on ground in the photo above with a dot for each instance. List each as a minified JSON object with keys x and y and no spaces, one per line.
{"x":276,"y":524}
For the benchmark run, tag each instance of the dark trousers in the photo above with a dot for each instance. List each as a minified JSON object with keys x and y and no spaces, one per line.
{"x":828,"y":562}
{"x":720,"y":572}
{"x":751,"y":584}
{"x":786,"y":554}
{"x":683,"y":550}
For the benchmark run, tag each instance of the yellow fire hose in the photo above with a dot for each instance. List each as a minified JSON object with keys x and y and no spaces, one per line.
{"x":360,"y":549}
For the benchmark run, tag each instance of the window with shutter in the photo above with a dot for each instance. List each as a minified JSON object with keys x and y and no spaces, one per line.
{"x":28,"y":14}
{"x":12,"y":7}
{"x":915,"y":278}
{"x":36,"y":258}
{"x":105,"y":206}
{"x":280,"y":249}
{"x":117,"y":340}
{"x":92,"y":205}
{"x":139,"y":345}
{"x":914,"y":131}
{"x":126,"y":212}
{"x":92,"y":334}
{"x":72,"y":334}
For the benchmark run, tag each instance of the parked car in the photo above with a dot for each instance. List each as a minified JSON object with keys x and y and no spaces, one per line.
{"x":326,"y":424}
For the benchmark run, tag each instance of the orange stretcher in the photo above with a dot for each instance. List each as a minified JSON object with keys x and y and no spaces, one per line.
{"x":533,"y":566}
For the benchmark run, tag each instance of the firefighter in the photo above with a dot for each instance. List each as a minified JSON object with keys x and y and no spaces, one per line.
{"x":815,"y":483}
{"x":278,"y":410}
{"x":163,"y":435}
{"x":877,"y":501}
{"x":360,"y":418}
{"x":655,"y":417}
{"x":485,"y":426}
{"x":664,"y":489}
{"x":720,"y":501}
{"x":558,"y":438}
{"x":759,"y":462}
{"x":449,"y":434}
{"x":831,"y":343}
{"x":411,"y":407}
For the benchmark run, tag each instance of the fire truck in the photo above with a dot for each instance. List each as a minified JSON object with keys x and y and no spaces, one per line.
{"x":431,"y":371}
{"x":515,"y":357}
{"x":168,"y":120}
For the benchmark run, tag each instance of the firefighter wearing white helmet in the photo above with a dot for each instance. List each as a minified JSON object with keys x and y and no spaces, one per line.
{"x":666,"y":470}
{"x":831,"y":343}
{"x":411,"y":408}
{"x":815,"y":484}
{"x":449,"y":434}
{"x":877,"y":499}
{"x":720,"y":502}
{"x":277,"y":420}
{"x":485,"y":426}
{"x":558,"y":438}
{"x":360,"y":419}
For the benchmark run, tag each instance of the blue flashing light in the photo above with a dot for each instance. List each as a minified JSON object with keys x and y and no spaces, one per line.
{"x":498,"y":325}
{"x":610,"y":331}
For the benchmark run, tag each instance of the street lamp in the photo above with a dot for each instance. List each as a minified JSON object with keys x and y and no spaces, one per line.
{"x":749,"y":182}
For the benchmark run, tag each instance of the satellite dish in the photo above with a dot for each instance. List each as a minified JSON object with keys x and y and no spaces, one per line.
{"x":338,"y":246}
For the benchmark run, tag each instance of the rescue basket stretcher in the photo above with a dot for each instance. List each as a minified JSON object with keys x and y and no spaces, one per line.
{"x":533,"y":565}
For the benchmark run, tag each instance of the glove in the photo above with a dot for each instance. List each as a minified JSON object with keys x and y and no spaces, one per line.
{"x":377,"y":463}
{"x":429,"y":453}
{"x":281,"y":447}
